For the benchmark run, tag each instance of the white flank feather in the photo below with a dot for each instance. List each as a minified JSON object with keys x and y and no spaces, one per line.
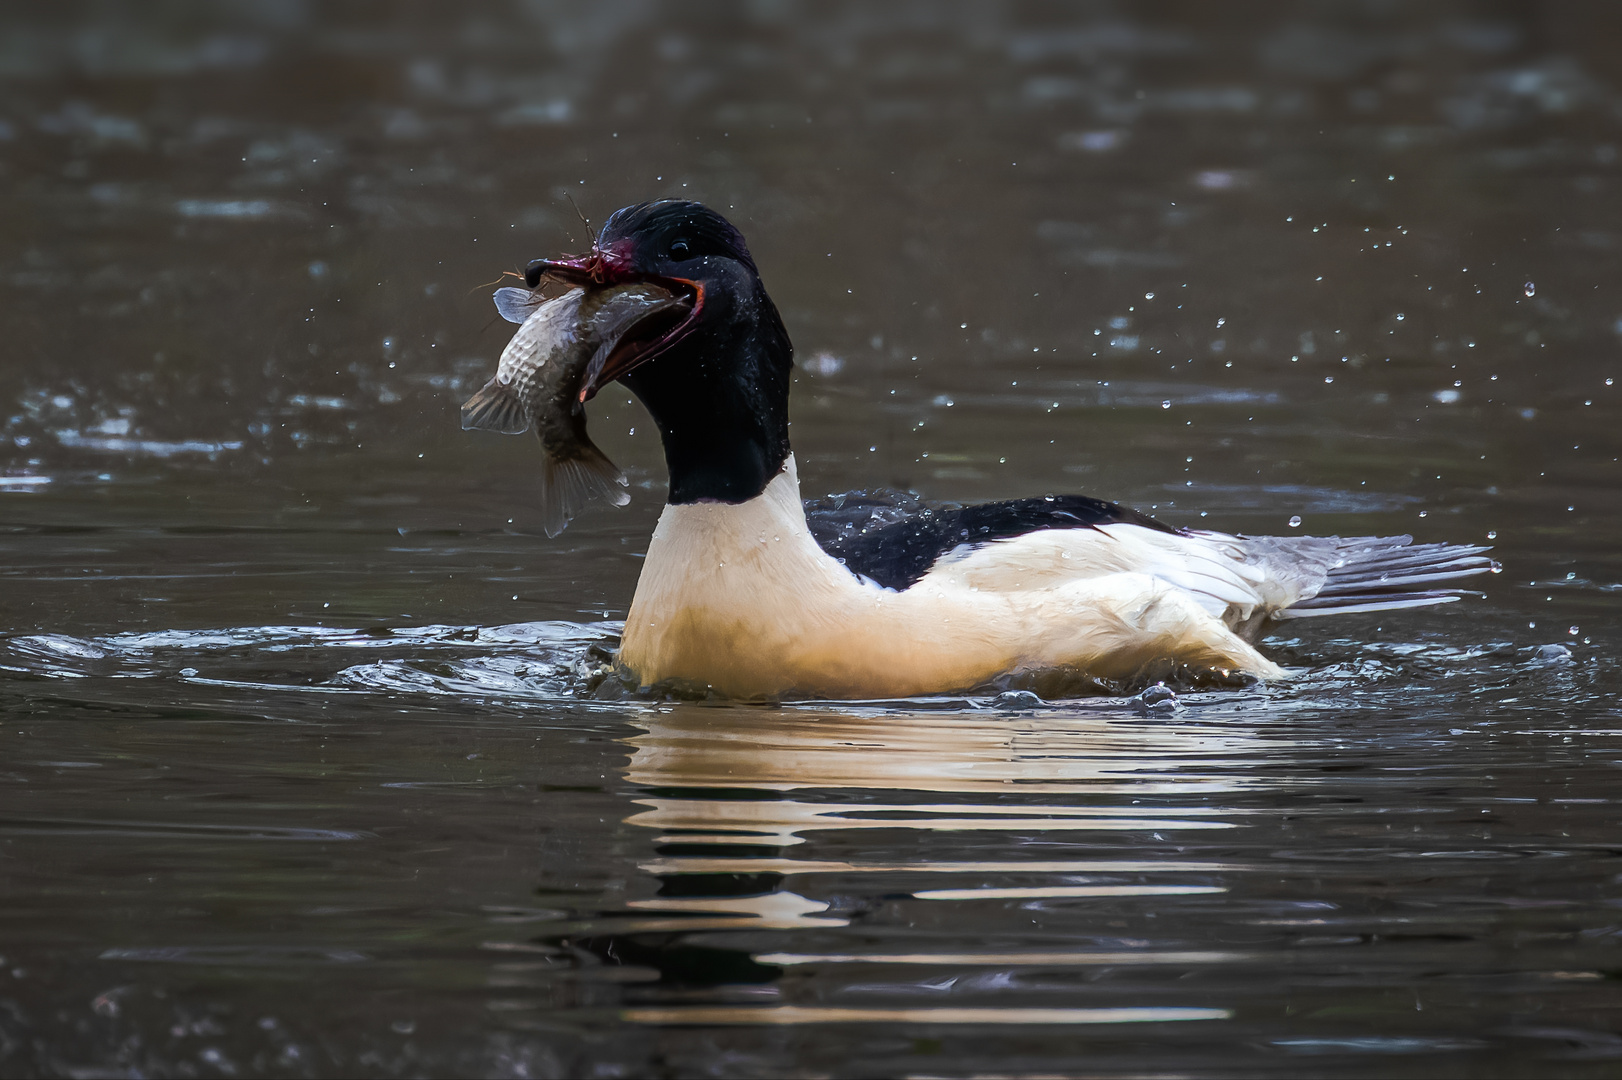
{"x":740,"y":597}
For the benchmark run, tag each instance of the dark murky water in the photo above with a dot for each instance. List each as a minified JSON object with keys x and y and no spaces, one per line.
{"x":304,"y":771}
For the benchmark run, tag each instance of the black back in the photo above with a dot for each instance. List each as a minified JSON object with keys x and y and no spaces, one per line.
{"x":861,"y":531}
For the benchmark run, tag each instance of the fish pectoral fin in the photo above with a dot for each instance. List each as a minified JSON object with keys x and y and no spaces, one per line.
{"x":497,"y":407}
{"x":517,"y":305}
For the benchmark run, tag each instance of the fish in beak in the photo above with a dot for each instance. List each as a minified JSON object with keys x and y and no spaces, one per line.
{"x":638,"y":343}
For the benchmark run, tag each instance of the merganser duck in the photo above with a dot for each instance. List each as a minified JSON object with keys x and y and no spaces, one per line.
{"x":737,"y":594}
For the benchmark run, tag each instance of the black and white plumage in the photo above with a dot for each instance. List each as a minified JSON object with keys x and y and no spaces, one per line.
{"x":738,"y":592}
{"x":1333,"y":575}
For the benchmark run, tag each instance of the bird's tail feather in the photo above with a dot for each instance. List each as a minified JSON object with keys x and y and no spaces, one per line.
{"x":1385,"y":573}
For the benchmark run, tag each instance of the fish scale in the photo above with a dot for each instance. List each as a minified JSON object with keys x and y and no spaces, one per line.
{"x":539,"y":379}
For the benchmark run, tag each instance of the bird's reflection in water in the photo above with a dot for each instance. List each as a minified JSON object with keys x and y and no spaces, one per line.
{"x":819,"y":837}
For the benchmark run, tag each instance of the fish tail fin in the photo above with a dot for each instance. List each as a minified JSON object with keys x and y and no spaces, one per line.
{"x":497,"y":407}
{"x":568,"y":484}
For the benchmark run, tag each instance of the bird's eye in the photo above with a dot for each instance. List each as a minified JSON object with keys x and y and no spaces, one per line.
{"x":679,"y":249}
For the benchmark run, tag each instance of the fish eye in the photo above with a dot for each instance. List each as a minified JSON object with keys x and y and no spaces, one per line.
{"x":680,"y":249}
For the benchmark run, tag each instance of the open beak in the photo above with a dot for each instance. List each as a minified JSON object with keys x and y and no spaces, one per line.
{"x":643,"y":340}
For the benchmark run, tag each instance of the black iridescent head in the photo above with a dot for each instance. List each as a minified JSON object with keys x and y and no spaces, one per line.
{"x":717,"y":384}
{"x":666,"y":236}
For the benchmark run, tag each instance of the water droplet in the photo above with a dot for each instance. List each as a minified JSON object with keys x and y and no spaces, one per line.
{"x":1165,"y":404}
{"x":1572,"y":631}
{"x":1148,"y":296}
{"x":1492,"y":534}
{"x":1295,"y":521}
{"x":1531,"y":289}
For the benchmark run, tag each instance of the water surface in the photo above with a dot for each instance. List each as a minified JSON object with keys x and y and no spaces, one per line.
{"x":309,"y":763}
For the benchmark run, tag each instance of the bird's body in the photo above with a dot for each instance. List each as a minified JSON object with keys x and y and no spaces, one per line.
{"x":741,"y":598}
{"x":737,"y":594}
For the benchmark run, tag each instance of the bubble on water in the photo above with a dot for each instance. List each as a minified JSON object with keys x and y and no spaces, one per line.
{"x":1165,"y":404}
{"x":1158,"y":700}
{"x":1295,"y":521}
{"x":1531,"y":289}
